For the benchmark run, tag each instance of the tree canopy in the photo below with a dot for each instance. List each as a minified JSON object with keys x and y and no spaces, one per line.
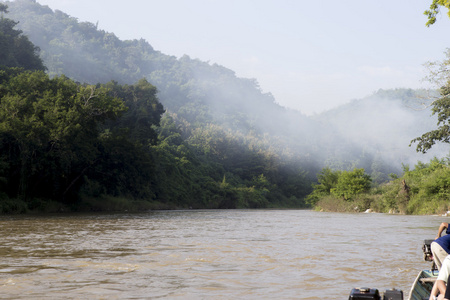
{"x":61,"y":140}
{"x":441,"y":108}
{"x":439,"y":74}
{"x":16,"y":50}
{"x":435,"y":9}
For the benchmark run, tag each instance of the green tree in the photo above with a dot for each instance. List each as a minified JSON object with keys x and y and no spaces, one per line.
{"x":351,"y":183}
{"x":441,"y":107}
{"x":434,"y":10}
{"x":439,"y":74}
{"x":15,"y":48}
{"x":327,"y":181}
{"x":143,"y":110}
{"x":50,"y":130}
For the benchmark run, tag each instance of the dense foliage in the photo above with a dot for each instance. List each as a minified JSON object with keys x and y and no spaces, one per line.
{"x":55,"y":141}
{"x":16,"y":50}
{"x":343,"y":185}
{"x":66,"y":142}
{"x":173,"y":132}
{"x":425,"y":189}
{"x":67,"y":145}
{"x":428,"y":187}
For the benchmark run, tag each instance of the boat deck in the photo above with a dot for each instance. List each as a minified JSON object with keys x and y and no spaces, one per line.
{"x":423,"y":284}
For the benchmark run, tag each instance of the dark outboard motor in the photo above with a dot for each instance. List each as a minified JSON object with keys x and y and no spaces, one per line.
{"x":427,"y":254}
{"x":426,"y":248}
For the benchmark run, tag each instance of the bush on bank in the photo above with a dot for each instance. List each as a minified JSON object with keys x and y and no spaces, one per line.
{"x":422,"y":190}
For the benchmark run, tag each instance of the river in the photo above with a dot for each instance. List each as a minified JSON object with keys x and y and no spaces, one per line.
{"x":210,"y":254}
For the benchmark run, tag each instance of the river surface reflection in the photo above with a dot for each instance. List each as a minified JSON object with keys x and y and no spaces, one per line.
{"x":210,"y":254}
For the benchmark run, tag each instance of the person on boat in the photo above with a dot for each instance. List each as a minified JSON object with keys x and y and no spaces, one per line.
{"x":440,"y":247}
{"x":440,"y":285}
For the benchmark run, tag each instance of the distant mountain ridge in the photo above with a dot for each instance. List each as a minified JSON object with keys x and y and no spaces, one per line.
{"x":373,"y":133}
{"x":385,"y":123}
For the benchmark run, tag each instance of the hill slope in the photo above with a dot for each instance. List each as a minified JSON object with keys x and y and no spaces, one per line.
{"x":197,"y":95}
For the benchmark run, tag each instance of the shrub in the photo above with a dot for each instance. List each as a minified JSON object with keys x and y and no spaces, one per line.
{"x":351,"y":183}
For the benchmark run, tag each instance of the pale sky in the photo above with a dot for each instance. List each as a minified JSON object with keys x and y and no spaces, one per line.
{"x":312,"y":55}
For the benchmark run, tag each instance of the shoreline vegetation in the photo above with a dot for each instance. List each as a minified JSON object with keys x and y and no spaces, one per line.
{"x":424,"y":190}
{"x":421,"y":191}
{"x":101,"y":204}
{"x":85,"y":131}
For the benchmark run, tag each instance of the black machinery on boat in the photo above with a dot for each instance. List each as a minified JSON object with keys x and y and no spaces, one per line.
{"x":420,"y":289}
{"x":368,"y":293}
{"x":427,"y":254}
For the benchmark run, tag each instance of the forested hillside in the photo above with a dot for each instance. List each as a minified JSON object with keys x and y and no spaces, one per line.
{"x":189,"y":158}
{"x":221,"y":142}
{"x":197,"y":92}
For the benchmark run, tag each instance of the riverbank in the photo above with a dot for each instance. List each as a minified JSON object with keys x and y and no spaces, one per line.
{"x":377,"y":203}
{"x":92,"y":204}
{"x":424,"y":190}
{"x":103,"y":203}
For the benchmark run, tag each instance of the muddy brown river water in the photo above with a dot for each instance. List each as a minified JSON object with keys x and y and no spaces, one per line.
{"x":210,"y":254}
